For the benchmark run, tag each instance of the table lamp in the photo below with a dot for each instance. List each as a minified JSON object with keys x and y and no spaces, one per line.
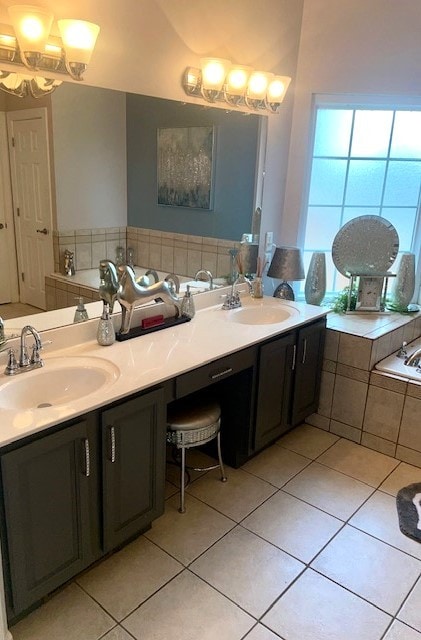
{"x":287,"y":264}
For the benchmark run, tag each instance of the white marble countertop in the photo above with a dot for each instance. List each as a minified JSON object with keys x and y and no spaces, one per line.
{"x":148,"y":360}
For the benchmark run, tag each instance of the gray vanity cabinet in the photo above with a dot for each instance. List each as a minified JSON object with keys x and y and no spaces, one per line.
{"x":308,"y":371}
{"x":51,"y":511}
{"x":274,"y":389}
{"x":133,"y":444}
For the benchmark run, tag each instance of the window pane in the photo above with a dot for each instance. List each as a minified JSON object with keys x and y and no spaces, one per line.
{"x":355,"y":212}
{"x":403,"y":184}
{"x":327,"y":182}
{"x":333,"y":132}
{"x":404,"y":221}
{"x":371,"y":134}
{"x":322,"y":226}
{"x":365,"y":182}
{"x":406,"y":140}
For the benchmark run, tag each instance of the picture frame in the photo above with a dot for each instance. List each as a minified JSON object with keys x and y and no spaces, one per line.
{"x":185,"y":159}
{"x":370,"y":291}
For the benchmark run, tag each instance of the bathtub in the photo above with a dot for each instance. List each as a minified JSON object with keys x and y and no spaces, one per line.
{"x":394,"y":365}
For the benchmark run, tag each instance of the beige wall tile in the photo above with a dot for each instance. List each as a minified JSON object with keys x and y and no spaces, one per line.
{"x":209,"y":262}
{"x":316,"y":420}
{"x":326,"y":394}
{"x":98,"y":253}
{"x":349,"y":398}
{"x":345,"y":431}
{"x":180,"y":261}
{"x":155,"y":255}
{"x":354,"y":351}
{"x":167,"y":262}
{"x":352,"y":372}
{"x":143,"y":253}
{"x":408,"y":455}
{"x":223,"y":265}
{"x":331,"y":344}
{"x":388,"y":382}
{"x":383,"y":413}
{"x":329,"y":365}
{"x":414,"y":389}
{"x":194,"y":261}
{"x":409,"y":331}
{"x":410,"y":432}
{"x":378,"y":444}
{"x":383,"y":347}
{"x":83,"y":257}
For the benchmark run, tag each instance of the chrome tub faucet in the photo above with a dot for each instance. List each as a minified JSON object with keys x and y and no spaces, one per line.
{"x":208,"y":275}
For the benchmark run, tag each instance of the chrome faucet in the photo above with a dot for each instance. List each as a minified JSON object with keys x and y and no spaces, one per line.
{"x":414,"y":360}
{"x":206,"y":273}
{"x":25,"y":363}
{"x":233,"y":300}
{"x":174,"y":282}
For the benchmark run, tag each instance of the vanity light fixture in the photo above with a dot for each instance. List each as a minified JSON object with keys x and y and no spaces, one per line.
{"x":28,"y":43}
{"x":218,"y":80}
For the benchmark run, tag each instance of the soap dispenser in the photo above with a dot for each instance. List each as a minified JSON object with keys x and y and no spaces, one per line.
{"x":81,"y":315}
{"x":105,"y":334}
{"x":187,"y":304}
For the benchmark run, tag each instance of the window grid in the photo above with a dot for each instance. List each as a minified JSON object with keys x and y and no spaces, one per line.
{"x":335,"y":280}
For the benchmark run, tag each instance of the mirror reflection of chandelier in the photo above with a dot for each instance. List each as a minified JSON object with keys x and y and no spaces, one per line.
{"x":29,"y":43}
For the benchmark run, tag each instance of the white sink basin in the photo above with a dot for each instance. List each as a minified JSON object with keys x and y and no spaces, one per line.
{"x":60,"y":381}
{"x":266,"y":311}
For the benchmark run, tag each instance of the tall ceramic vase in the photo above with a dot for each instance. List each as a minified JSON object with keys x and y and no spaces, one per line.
{"x":315,"y":286}
{"x":404,"y":284}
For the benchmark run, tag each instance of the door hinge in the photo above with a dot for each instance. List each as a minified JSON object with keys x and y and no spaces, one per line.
{"x":13,"y":141}
{"x":18,"y":212}
{"x":23,"y":276}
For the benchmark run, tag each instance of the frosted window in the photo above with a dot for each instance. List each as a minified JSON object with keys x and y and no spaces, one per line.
{"x":403,"y":184}
{"x":371,"y":135}
{"x":406,"y":139}
{"x":322,"y":226}
{"x":327,"y":181}
{"x":333,"y":132}
{"x":404,"y":222}
{"x":365,"y":182}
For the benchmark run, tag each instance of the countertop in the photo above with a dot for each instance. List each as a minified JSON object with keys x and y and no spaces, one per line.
{"x":147,"y":360}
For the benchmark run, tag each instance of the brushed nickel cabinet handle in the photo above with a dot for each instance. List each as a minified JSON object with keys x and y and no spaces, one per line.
{"x":294,"y":356}
{"x":215,"y":376}
{"x":87,"y":458}
{"x":304,"y":351}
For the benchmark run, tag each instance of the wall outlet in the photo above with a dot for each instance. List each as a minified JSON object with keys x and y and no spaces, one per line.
{"x":268,"y":241}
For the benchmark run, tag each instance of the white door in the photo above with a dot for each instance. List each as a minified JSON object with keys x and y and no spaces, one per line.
{"x":32,"y":201}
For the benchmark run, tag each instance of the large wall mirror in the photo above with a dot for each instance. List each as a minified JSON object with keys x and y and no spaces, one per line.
{"x":103,"y":148}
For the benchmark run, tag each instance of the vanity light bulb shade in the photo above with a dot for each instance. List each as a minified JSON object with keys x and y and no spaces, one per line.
{"x":32,"y":26}
{"x":79,"y":38}
{"x":257,"y":85}
{"x":237,"y":80}
{"x":277,"y":88}
{"x":214,"y":71}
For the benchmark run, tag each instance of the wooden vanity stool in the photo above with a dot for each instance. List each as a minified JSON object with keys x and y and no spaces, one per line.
{"x":191,"y":424}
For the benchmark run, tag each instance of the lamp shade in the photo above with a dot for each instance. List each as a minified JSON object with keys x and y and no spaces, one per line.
{"x":32,"y":27}
{"x":79,"y":38}
{"x":287,"y":264}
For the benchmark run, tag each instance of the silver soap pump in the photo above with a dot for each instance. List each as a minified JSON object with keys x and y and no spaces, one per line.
{"x":187,"y":304}
{"x":81,"y":315}
{"x":105,"y":334}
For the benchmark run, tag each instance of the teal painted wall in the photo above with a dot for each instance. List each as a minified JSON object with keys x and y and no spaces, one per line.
{"x":235,"y":153}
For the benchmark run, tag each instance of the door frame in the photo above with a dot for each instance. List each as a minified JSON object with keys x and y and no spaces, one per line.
{"x":7,"y":204}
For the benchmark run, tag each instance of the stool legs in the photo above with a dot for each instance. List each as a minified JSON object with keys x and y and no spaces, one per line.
{"x":182,"y":508}
{"x":221,"y":464}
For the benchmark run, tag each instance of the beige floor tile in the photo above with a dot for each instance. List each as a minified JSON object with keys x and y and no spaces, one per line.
{"x":308,"y":441}
{"x":186,"y":535}
{"x":372,"y":571}
{"x":276,"y":465}
{"x":125,"y":579}
{"x":329,"y":490}
{"x":402,"y":476}
{"x":118,"y":633}
{"x":358,"y":462}
{"x":170,"y":490}
{"x":187,"y":609}
{"x":237,"y":497}
{"x":231,"y":566}
{"x":315,"y":608}
{"x":261,"y":633}
{"x":411,"y":610}
{"x":400,"y":631}
{"x":379,"y":517}
{"x":194,"y":458}
{"x":70,"y":615}
{"x":293,"y":526}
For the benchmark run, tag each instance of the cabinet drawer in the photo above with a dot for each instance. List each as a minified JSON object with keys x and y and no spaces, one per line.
{"x":214,"y":372}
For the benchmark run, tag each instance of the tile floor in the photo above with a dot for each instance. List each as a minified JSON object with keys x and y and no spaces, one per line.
{"x":301,"y":543}
{"x":16,"y":310}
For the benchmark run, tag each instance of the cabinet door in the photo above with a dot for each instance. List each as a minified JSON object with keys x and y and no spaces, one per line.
{"x":133,"y":436}
{"x":308,"y":371}
{"x":274,"y":388}
{"x":50,"y":518}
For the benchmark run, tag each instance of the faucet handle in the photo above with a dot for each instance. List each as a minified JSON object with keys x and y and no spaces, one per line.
{"x":402,"y":353}
{"x":12,"y":364}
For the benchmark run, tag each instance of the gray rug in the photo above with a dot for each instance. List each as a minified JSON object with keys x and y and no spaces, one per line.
{"x":408,"y":503}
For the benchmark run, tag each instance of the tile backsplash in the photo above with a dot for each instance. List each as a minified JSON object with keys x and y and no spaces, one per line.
{"x":162,"y":250}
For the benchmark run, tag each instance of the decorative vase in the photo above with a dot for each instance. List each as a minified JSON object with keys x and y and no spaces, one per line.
{"x":315,"y":286}
{"x":404,"y":284}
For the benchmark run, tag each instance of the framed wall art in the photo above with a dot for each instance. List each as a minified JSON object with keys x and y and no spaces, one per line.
{"x":185,"y":167}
